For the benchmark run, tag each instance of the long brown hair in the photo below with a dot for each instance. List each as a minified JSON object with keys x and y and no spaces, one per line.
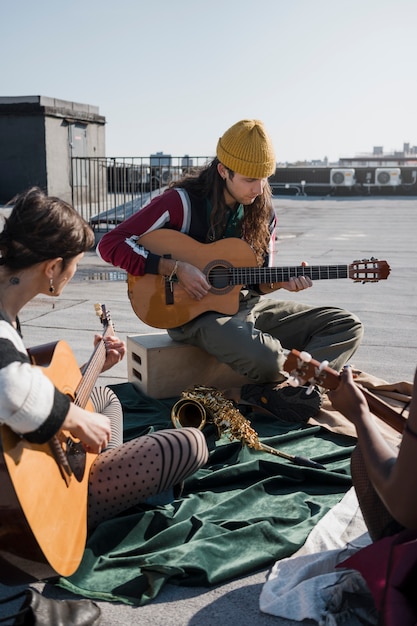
{"x":208,"y":183}
{"x":42,"y":227}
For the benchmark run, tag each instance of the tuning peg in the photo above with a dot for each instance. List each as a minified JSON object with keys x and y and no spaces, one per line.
{"x":323,"y":365}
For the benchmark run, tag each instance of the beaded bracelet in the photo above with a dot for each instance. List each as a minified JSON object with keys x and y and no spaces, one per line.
{"x":174,"y":271}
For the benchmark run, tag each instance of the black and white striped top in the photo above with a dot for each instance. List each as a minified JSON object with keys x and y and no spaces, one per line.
{"x":29,"y":402}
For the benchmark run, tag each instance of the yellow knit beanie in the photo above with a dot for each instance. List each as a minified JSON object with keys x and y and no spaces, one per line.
{"x":246,"y":149}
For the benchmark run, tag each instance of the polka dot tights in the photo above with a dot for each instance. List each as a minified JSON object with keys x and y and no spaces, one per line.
{"x":128,"y":474}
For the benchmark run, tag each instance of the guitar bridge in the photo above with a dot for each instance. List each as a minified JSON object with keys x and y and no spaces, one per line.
{"x":169,"y":291}
{"x":169,"y":286}
{"x":70,"y":457}
{"x":76,"y":458}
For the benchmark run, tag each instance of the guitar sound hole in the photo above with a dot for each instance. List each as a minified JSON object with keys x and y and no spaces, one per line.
{"x":76,"y":458}
{"x":219,"y":278}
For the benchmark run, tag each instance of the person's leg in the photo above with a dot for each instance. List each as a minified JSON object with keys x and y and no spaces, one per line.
{"x":327,"y":333}
{"x":253,"y":342}
{"x":130,"y":474}
{"x":234,"y":340}
{"x":106,"y":402}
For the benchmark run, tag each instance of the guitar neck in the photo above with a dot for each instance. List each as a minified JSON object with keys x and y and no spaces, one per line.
{"x":384,"y":411}
{"x":226,"y":264}
{"x":259,"y":275}
{"x":313,"y":372}
{"x":92,"y":370}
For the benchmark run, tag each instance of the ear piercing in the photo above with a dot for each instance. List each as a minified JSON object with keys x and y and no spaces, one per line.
{"x":51,"y":286}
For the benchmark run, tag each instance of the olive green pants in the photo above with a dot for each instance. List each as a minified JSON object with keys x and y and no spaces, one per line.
{"x":254,"y":341}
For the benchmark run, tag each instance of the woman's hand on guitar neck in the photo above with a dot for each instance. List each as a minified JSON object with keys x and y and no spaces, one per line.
{"x":92,"y":429}
{"x":115,"y":350}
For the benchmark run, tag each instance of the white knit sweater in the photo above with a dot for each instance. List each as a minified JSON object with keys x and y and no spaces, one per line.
{"x":28,"y":399}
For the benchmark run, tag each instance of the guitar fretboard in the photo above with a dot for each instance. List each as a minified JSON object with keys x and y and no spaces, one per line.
{"x":258,"y":275}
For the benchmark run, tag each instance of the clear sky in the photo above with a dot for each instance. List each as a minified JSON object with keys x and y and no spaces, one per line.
{"x":328,"y":77}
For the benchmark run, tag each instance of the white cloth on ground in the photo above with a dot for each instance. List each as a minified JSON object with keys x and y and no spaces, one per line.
{"x":307,"y":585}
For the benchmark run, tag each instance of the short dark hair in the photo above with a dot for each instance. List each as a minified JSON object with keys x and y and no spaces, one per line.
{"x":42,"y":227}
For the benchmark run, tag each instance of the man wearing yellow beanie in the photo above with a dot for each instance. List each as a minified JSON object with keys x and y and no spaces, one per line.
{"x":246,"y":149}
{"x":228,"y":205}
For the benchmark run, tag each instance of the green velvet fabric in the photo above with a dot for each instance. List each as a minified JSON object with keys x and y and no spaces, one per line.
{"x":240,"y":513}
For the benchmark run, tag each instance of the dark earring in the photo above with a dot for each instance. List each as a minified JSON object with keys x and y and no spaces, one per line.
{"x":51,"y":285}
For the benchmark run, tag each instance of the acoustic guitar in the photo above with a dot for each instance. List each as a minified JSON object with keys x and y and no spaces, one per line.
{"x":304,"y":370}
{"x":44,"y":487}
{"x":227,"y":265}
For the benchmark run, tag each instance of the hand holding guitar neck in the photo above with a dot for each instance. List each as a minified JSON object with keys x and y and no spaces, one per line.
{"x":227,"y":264}
{"x":304,"y":370}
{"x":61,"y":467}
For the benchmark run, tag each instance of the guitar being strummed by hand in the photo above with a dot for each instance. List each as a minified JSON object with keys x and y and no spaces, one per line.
{"x":200,"y":260}
{"x":209,"y":277}
{"x":198,"y":283}
{"x":51,"y":431}
{"x":94,"y":432}
{"x":61,"y":464}
{"x":61,"y":435}
{"x":304,"y":370}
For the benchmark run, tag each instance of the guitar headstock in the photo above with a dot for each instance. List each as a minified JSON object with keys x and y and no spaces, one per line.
{"x":304,"y":370}
{"x":104,"y":316}
{"x":369,"y":270}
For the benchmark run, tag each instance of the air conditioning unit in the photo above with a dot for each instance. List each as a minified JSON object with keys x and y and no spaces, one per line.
{"x":388,"y":176}
{"x":342,"y":177}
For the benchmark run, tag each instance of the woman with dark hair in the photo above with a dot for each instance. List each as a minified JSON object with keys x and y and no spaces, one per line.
{"x":42,"y":241}
{"x":231,"y":198}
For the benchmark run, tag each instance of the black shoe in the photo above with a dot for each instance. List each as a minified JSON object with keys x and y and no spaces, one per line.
{"x":37,"y":609}
{"x":289,"y":404}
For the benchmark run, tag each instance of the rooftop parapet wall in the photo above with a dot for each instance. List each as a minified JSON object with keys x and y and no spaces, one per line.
{"x":51,"y":107}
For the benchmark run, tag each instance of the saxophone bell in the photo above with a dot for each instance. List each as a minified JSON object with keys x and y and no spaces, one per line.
{"x":188,"y":412}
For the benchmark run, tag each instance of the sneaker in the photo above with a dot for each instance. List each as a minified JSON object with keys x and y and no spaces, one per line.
{"x":289,"y":404}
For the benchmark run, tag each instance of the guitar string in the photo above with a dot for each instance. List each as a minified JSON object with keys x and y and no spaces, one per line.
{"x":271,"y":274}
{"x":312,"y":372}
{"x":91,"y":372}
{"x":276,"y":274}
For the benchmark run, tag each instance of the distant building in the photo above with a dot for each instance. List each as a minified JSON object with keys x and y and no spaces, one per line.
{"x":38,"y":138}
{"x":405,"y":157}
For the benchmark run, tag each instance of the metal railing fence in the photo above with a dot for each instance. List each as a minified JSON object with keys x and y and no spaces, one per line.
{"x":107,"y":190}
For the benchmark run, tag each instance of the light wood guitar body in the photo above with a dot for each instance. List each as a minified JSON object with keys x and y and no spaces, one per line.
{"x":44,"y":487}
{"x":227,"y":264}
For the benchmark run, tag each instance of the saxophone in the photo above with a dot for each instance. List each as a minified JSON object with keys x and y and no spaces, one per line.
{"x":202,"y":405}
